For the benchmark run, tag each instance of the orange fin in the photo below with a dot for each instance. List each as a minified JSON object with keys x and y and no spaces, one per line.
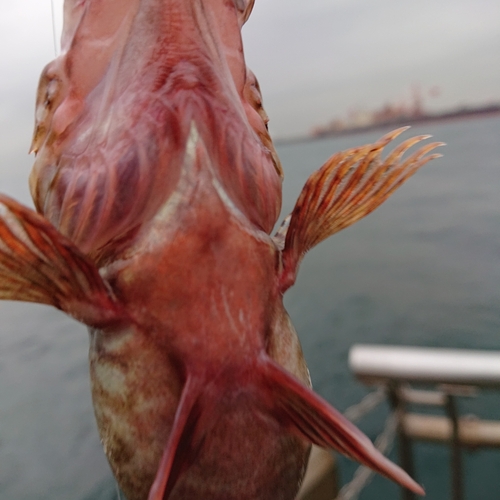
{"x":179,"y":449}
{"x":38,"y":264}
{"x":310,"y":416}
{"x":349,"y":186}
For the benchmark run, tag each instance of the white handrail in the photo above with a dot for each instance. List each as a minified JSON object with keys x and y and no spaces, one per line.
{"x":374,"y":364}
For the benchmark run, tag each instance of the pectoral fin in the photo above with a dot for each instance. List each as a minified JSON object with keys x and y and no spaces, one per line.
{"x":38,"y":264}
{"x":349,"y":186}
{"x":307,"y":414}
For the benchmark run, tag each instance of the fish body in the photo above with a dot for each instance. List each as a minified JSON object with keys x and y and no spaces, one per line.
{"x":209,"y":323}
{"x":157,"y":187}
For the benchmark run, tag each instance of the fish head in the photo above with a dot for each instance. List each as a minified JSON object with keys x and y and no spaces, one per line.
{"x":115,"y":110}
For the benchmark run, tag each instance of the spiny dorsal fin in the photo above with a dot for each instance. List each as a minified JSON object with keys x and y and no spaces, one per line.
{"x":349,"y":186}
{"x":38,"y":264}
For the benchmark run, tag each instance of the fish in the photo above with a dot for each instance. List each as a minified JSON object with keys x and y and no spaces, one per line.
{"x":157,"y":188}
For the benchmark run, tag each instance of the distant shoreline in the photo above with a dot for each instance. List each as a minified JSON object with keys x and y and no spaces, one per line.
{"x":459,"y":114}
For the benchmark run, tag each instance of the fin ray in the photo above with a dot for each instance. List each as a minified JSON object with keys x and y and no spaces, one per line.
{"x":177,"y":451}
{"x":349,"y":186}
{"x":310,"y":416}
{"x":38,"y":264}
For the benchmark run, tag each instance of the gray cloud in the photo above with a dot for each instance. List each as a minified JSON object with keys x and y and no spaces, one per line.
{"x":316,"y":59}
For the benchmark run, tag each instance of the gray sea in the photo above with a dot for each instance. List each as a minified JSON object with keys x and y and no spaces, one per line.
{"x":424,"y":270}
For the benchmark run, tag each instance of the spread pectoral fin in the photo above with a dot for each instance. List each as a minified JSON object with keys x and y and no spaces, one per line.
{"x":310,"y":416}
{"x":38,"y":264}
{"x":349,"y":186}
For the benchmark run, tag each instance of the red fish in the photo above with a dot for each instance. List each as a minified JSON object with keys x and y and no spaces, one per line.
{"x":157,"y":186}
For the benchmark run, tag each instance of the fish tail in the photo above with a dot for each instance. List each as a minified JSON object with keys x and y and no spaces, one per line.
{"x":308,"y":415}
{"x":38,"y":264}
{"x":349,"y":186}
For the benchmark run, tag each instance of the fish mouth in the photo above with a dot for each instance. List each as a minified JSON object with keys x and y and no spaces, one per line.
{"x":114,"y":113}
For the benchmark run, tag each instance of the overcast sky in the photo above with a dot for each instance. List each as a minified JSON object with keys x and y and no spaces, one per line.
{"x":315,"y":59}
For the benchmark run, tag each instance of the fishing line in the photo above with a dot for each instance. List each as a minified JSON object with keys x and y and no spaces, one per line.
{"x":118,"y":491}
{"x":54,"y":34}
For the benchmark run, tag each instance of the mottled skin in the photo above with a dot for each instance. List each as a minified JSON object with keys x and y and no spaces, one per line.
{"x":157,"y":186}
{"x":193,"y":270}
{"x":143,"y":368}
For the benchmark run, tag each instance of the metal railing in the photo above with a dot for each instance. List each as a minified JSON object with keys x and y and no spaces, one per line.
{"x":453,"y":373}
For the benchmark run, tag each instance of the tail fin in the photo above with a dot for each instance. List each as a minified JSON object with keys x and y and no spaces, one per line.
{"x":349,"y":186}
{"x":314,"y":419}
{"x":38,"y":264}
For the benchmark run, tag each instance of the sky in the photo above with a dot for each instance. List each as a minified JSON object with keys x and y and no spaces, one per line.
{"x":315,"y":59}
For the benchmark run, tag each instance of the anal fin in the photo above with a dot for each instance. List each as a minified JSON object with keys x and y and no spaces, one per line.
{"x":307,"y":414}
{"x":38,"y":264}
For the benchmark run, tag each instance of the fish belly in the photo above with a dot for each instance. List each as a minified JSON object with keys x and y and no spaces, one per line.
{"x":201,"y":284}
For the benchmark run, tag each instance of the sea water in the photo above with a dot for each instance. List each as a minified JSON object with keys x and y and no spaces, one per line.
{"x":424,"y":269}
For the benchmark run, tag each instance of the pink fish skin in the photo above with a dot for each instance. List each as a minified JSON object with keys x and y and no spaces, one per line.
{"x":157,"y":187}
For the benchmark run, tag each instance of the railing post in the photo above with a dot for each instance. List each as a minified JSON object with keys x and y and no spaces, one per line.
{"x":456,"y":452}
{"x":404,"y":443}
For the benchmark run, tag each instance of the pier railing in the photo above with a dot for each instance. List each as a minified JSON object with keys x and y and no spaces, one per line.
{"x":446,"y":374}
